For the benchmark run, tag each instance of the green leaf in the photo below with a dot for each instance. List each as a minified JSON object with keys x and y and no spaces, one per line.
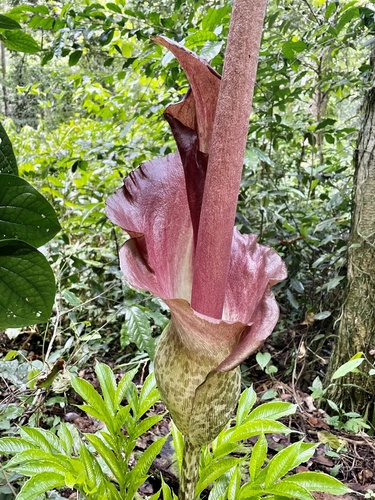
{"x":123,"y":386}
{"x":138,"y":475}
{"x":7,"y":23}
{"x":121,"y":418}
{"x":211,"y":49}
{"x":75,"y":57}
{"x":107,"y":455}
{"x":347,"y":367}
{"x":214,"y":18}
{"x":149,"y":395}
{"x":272,"y":411}
{"x":91,"y":396}
{"x":145,"y":424}
{"x":199,"y":38}
{"x":136,"y":328}
{"x":92,"y":469}
{"x":14,"y":445}
{"x":258,"y":456}
{"x":263,"y":358}
{"x":257,"y":427}
{"x":234,"y":484}
{"x":108,"y":385}
{"x":24,"y":213}
{"x":66,"y":438}
{"x":215,"y":470}
{"x":20,"y":42}
{"x":39,"y":484}
{"x":318,"y":481}
{"x":178,"y":445}
{"x":224,"y":449}
{"x":246,"y":402}
{"x":290,"y":490}
{"x":322,"y":315}
{"x":8,"y":162}
{"x":286,"y":460}
{"x":27,"y":285}
{"x":42,"y":439}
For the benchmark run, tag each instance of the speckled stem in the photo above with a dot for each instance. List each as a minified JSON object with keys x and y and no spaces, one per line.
{"x":190,"y":471}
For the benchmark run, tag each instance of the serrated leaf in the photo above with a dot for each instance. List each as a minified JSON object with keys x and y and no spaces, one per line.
{"x":149,"y":395}
{"x":123,"y":385}
{"x":146,"y":424}
{"x":107,"y":455}
{"x":257,"y":427}
{"x":20,"y":41}
{"x":272,"y":411}
{"x":318,"y":481}
{"x":66,"y":438}
{"x":120,"y":419}
{"x":215,"y":470}
{"x":258,"y":456}
{"x":108,"y":385}
{"x":7,"y":23}
{"x":290,"y":490}
{"x":8,"y":162}
{"x":39,"y":484}
{"x":91,"y":396}
{"x":136,"y":328}
{"x":94,"y":474}
{"x":286,"y":460}
{"x":247,"y":401}
{"x":346,"y":368}
{"x":14,"y":445}
{"x":27,"y":285}
{"x":234,"y":484}
{"x":225,"y":449}
{"x":24,"y":213}
{"x":42,"y":438}
{"x":138,"y":475}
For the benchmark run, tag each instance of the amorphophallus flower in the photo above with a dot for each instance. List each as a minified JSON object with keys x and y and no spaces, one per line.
{"x":179,"y":213}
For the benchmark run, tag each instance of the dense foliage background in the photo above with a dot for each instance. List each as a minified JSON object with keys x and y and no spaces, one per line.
{"x":83,"y":92}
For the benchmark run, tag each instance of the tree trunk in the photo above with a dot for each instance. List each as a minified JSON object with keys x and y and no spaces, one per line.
{"x":357,"y":326}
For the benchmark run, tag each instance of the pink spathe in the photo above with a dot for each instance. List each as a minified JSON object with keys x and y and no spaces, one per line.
{"x":160,"y":207}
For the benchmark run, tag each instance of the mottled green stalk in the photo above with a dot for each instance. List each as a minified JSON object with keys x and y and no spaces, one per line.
{"x":200,"y":400}
{"x":190,"y":470}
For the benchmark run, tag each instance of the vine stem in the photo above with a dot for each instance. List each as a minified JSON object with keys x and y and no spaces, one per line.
{"x":190,"y":470}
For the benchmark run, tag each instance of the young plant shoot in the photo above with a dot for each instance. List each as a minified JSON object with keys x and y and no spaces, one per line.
{"x":179,"y":212}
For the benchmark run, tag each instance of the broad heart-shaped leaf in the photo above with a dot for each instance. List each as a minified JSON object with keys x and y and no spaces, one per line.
{"x":24,"y":213}
{"x":8,"y":23}
{"x":27,"y":285}
{"x":19,"y":41}
{"x":8,"y":162}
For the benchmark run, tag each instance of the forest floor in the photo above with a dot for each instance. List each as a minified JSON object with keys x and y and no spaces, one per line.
{"x":349,"y":456}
